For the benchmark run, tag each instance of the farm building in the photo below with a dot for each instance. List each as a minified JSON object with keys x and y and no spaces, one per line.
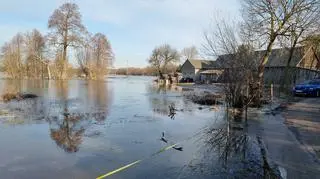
{"x":304,"y":65}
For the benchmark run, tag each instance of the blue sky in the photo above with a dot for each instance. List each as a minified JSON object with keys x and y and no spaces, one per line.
{"x":134,"y":27}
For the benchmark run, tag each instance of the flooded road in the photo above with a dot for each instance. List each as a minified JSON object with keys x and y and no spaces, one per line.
{"x":83,"y":129}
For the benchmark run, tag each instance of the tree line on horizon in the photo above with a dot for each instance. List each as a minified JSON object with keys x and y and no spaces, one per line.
{"x":34,"y":55}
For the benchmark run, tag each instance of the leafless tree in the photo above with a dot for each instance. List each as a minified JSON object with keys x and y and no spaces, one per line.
{"x":84,"y":56}
{"x":36,"y":64}
{"x":266,"y":20}
{"x":12,"y":57}
{"x":95,"y":56}
{"x":302,"y":25}
{"x":189,"y":53}
{"x":66,"y":30}
{"x":235,"y":56}
{"x":312,"y":43}
{"x":162,"y":56}
{"x":102,"y":54}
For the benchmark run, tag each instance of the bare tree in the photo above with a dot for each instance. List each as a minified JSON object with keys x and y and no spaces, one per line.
{"x":12,"y":56}
{"x":95,"y":56}
{"x":312,"y":45}
{"x":66,"y":30}
{"x":269,"y":19}
{"x":35,"y":63}
{"x":162,"y":56}
{"x":303,"y":24}
{"x":84,"y":57}
{"x":189,"y":53}
{"x":235,"y":57}
{"x":102,"y":54}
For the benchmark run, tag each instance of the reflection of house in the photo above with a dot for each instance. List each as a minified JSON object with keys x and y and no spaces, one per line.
{"x":305,"y":64}
{"x":200,"y":70}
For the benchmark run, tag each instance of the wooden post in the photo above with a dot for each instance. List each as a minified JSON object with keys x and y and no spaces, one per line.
{"x":271,"y":92}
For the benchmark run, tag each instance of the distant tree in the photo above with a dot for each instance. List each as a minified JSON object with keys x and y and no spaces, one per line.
{"x":189,"y":53}
{"x":12,"y":56}
{"x":102,"y":54}
{"x":66,"y":30}
{"x":95,"y":56}
{"x":84,"y":58}
{"x":36,"y":64}
{"x":162,"y":56}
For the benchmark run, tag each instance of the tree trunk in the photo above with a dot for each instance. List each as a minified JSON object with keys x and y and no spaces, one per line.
{"x":64,"y":58}
{"x":63,"y":72}
{"x":286,"y":80}
{"x":160,"y":75}
{"x":261,"y":68}
{"x":49,"y":73}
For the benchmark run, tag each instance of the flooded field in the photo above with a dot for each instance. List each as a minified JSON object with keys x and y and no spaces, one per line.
{"x":84,"y":129}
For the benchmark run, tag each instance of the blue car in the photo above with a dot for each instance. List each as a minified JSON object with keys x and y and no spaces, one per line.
{"x":308,"y":88}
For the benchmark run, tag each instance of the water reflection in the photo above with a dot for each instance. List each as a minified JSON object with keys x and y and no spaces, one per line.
{"x":163,"y":100}
{"x":69,"y":107}
{"x":68,"y":134}
{"x":238,"y":152}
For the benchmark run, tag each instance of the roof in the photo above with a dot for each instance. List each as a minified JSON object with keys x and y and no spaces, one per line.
{"x":278,"y":57}
{"x":201,"y":64}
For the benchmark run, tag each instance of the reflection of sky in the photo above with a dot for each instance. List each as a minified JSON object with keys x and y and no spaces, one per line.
{"x":131,"y":130}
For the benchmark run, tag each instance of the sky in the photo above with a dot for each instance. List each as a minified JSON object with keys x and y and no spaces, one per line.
{"x":133,"y":27}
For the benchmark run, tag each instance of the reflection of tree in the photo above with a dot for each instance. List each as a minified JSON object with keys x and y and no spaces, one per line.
{"x":68,"y":135}
{"x":98,"y":94}
{"x":237,"y":151}
{"x":227,"y":142}
{"x":68,"y":129}
{"x":62,"y":89}
{"x":159,"y":101}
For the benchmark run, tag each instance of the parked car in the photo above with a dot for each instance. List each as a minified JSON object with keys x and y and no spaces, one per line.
{"x":308,"y":88}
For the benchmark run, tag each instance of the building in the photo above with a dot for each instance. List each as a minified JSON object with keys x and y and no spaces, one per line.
{"x":200,"y":70}
{"x":304,"y":65}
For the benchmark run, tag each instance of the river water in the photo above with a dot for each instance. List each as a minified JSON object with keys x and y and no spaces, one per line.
{"x":84,"y":129}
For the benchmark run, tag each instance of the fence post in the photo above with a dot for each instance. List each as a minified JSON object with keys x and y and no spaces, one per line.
{"x":271,"y":92}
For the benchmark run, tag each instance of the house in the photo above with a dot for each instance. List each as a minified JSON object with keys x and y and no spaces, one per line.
{"x":198,"y":69}
{"x":304,"y":65}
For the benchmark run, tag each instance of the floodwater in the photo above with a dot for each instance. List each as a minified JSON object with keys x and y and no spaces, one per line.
{"x":84,"y":129}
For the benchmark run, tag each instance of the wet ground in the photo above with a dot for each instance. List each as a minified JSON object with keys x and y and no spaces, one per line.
{"x":80,"y":129}
{"x":303,"y":119}
{"x":289,"y":136}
